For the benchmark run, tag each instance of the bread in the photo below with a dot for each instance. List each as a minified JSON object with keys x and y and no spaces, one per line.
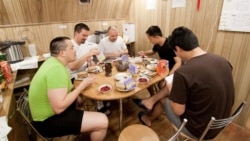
{"x":82,"y":75}
{"x":120,"y":85}
{"x":91,"y":68}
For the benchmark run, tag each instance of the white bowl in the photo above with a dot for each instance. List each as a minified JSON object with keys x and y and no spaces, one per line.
{"x":105,"y":88}
{"x":153,"y":61}
{"x":122,"y":76}
{"x":151,"y":67}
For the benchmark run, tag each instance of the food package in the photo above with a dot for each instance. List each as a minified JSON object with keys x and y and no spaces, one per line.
{"x":120,"y":85}
{"x":130,"y":84}
{"x":132,"y":69}
{"x":6,"y":70}
{"x":162,"y":67}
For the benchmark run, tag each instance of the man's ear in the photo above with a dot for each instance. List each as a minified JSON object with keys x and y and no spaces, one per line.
{"x":178,"y":49}
{"x":62,"y":53}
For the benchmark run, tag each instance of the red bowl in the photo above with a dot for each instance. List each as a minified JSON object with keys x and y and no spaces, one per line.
{"x":104,"y":88}
{"x":142,"y":80}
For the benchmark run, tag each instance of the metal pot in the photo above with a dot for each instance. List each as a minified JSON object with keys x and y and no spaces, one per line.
{"x":13,"y":50}
{"x":100,"y":35}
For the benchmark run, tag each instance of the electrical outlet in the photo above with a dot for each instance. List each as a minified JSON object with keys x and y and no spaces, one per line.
{"x":62,"y":26}
{"x":104,"y":24}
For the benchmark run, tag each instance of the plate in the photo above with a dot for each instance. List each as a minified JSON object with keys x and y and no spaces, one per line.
{"x":153,"y":61}
{"x":105,"y":88}
{"x":126,"y":85}
{"x":135,"y":60}
{"x":152,"y":67}
{"x":121,"y":90}
{"x":148,"y":73}
{"x":97,"y":68}
{"x":76,"y":78}
{"x":122,"y":76}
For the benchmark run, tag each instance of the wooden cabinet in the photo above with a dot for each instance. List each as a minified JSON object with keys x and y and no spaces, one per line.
{"x":15,"y":122}
{"x":19,"y":131}
{"x":9,"y":109}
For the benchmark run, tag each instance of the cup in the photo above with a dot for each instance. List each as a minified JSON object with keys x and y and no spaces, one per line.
{"x":108,"y":69}
{"x":132,"y":70}
{"x":32,"y":49}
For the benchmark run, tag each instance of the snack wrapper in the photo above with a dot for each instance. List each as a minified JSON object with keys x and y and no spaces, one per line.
{"x":162,"y":67}
{"x":129,"y":84}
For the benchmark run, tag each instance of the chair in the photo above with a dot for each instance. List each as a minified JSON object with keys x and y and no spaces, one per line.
{"x":24,"y":112}
{"x":138,"y":132}
{"x":219,"y":123}
{"x":176,"y":135}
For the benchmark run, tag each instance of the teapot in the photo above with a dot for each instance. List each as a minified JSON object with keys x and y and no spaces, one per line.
{"x":121,"y":66}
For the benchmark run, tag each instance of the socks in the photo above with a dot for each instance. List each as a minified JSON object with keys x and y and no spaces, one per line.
{"x":99,"y":104}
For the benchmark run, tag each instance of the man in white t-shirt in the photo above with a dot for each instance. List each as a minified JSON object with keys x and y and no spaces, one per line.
{"x":113,"y":45}
{"x":84,"y":53}
{"x":84,"y":50}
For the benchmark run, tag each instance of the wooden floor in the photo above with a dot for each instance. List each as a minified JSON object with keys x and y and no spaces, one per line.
{"x":161,"y":126}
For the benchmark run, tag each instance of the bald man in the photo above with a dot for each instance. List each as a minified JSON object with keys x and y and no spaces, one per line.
{"x":113,"y":45}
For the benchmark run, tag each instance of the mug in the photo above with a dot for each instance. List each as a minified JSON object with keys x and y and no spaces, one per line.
{"x":108,"y":69}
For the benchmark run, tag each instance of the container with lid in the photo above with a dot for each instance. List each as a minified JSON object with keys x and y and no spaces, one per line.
{"x":13,"y":50}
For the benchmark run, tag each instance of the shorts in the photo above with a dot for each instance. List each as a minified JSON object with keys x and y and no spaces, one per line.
{"x":67,"y":123}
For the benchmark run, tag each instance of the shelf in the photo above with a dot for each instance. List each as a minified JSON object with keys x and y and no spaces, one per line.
{"x":23,"y":84}
{"x":27,"y":74}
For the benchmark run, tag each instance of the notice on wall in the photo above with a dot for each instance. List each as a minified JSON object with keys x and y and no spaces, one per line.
{"x":178,"y":3}
{"x":150,"y":4}
{"x":235,"y":16}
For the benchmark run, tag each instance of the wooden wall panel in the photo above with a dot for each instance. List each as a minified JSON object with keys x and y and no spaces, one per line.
{"x":45,"y":11}
{"x":3,"y":14}
{"x":21,"y":12}
{"x":25,"y":11}
{"x":17,"y":9}
{"x":9,"y":11}
{"x":42,"y":34}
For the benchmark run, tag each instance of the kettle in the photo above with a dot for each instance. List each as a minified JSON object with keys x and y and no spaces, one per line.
{"x":13,"y":50}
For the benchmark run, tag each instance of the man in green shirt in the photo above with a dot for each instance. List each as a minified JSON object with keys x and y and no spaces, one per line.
{"x":52,"y":97}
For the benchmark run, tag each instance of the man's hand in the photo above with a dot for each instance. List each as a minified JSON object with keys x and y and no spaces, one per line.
{"x":94,"y":52}
{"x":141,"y":53}
{"x":87,"y":81}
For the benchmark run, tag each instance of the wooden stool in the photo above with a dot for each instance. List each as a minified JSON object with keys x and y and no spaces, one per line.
{"x":138,"y":132}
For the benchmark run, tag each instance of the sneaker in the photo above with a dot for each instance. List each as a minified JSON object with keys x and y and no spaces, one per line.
{"x":106,"y":104}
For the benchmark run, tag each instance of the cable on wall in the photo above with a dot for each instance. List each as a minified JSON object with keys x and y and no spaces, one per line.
{"x":212,"y":29}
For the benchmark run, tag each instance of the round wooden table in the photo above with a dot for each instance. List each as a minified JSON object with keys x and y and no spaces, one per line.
{"x":92,"y":91}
